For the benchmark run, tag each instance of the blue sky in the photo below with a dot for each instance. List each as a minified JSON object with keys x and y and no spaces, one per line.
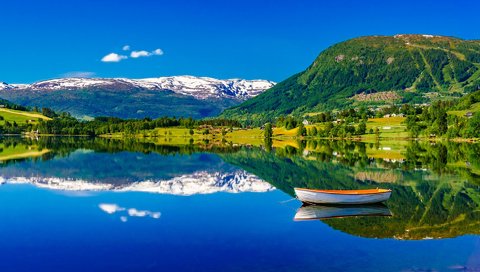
{"x":223,"y":39}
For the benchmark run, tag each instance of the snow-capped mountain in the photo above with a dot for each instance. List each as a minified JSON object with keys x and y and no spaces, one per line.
{"x":198,"y":87}
{"x":6,"y":86}
{"x":205,"y":87}
{"x":201,"y":182}
{"x":180,"y":96}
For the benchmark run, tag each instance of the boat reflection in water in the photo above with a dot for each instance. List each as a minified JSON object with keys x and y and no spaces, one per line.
{"x":317,"y":212}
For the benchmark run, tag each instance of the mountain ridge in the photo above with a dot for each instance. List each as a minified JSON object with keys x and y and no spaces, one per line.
{"x":181,"y":96}
{"x":187,"y":85}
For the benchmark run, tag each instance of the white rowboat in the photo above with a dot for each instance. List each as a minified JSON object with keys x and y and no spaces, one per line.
{"x":342,"y":196}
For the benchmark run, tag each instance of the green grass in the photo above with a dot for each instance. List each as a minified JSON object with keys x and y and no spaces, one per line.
{"x":20,"y":117}
{"x":461,"y":113}
{"x":283,"y":132}
{"x":392,"y":127}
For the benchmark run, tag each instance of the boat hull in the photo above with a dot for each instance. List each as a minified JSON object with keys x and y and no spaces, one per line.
{"x":316,"y":197}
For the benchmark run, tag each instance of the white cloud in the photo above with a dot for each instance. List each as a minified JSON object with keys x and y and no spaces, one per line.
{"x":143,"y":53}
{"x":157,"y":52}
{"x":82,"y":74}
{"x":113,"y":57}
{"x":138,"y":54}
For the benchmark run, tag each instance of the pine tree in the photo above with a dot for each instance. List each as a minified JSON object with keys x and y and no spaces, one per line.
{"x":268,"y":132}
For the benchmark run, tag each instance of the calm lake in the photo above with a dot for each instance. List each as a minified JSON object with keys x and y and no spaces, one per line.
{"x":81,"y":204}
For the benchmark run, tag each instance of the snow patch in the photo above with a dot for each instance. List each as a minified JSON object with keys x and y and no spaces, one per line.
{"x":199,"y":87}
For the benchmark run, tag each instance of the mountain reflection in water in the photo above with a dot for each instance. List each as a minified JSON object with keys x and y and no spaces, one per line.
{"x":104,"y":165}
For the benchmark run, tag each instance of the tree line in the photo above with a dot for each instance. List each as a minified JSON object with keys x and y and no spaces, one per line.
{"x":65,"y":124}
{"x":433,"y":121}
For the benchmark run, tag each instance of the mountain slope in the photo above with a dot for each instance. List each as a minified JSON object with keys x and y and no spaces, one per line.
{"x":15,"y":114}
{"x":372,"y":70}
{"x":19,"y":117}
{"x":136,"y":98}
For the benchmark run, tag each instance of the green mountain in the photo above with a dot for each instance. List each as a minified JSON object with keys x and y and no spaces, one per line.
{"x":372,"y":70}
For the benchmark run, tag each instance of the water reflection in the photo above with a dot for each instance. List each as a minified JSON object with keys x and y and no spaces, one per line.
{"x":84,"y":164}
{"x":127,"y":212}
{"x":435,"y":192}
{"x":317,"y":212}
{"x":435,"y":185}
{"x":201,"y":182}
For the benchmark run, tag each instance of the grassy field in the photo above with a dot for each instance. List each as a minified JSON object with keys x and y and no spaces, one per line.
{"x":20,"y":117}
{"x":391,"y":127}
{"x":19,"y":152}
{"x":392,"y":131}
{"x":283,"y":132}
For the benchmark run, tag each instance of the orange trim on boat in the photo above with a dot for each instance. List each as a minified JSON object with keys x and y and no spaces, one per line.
{"x":348,"y":192}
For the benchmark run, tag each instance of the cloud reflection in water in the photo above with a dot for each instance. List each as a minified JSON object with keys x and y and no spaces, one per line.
{"x":132,"y":212}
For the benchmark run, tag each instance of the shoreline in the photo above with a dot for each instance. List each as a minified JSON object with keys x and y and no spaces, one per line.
{"x":357,"y":139}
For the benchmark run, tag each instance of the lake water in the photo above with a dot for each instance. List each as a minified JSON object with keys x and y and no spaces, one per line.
{"x":79,"y":204}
